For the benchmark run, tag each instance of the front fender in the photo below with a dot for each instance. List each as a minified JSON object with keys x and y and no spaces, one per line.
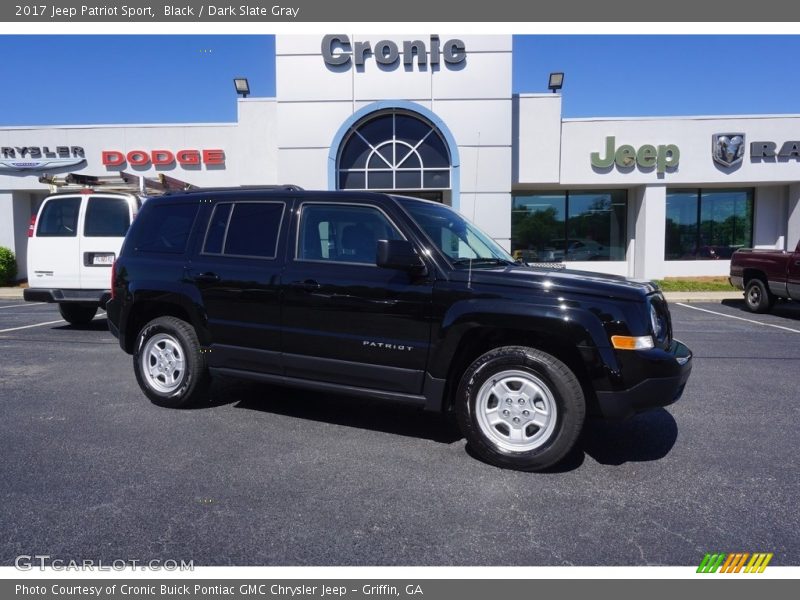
{"x":565,"y":323}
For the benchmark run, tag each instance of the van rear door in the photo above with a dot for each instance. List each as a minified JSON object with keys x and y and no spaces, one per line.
{"x":53,"y":251}
{"x":106,"y":220}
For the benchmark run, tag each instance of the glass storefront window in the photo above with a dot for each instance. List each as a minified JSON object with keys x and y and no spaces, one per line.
{"x":394,"y":151}
{"x":707,"y":224}
{"x":569,"y":226}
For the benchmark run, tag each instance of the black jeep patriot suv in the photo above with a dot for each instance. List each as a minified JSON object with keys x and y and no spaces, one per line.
{"x":388,"y":297}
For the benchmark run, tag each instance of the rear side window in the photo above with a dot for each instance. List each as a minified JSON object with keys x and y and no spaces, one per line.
{"x":244,"y":229}
{"x":164,"y":228}
{"x":106,"y":217}
{"x":59,"y":217}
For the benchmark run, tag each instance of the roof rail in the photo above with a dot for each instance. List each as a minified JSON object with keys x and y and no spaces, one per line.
{"x":120,"y":182}
{"x":288,"y":187}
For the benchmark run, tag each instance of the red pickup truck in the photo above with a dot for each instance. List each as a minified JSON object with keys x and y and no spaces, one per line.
{"x":765,"y":276}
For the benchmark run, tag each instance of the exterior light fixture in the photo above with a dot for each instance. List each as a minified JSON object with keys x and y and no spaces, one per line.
{"x":556,"y":81}
{"x":243,"y":87}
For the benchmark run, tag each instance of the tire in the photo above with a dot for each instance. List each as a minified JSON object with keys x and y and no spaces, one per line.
{"x":169,"y":364}
{"x":77,"y":314}
{"x":537,"y":389}
{"x":757,"y":298}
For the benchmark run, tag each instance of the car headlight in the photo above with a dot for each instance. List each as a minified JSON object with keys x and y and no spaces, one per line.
{"x":655,"y":322}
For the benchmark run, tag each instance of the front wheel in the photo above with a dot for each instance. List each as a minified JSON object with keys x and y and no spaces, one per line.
{"x":757,"y":297}
{"x":77,"y":314}
{"x":520,"y":408}
{"x":169,"y":363}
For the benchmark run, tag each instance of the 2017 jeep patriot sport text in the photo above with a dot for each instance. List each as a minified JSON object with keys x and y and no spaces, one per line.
{"x":387,"y":297}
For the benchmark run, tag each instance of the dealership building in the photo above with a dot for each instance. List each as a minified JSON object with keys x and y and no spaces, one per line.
{"x":434,"y":116}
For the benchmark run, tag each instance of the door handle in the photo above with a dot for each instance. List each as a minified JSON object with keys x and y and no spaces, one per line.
{"x":797,"y":263}
{"x":309,"y":285}
{"x":206,"y":277}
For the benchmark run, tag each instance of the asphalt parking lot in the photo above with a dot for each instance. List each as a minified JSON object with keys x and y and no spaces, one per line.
{"x":266,"y":475}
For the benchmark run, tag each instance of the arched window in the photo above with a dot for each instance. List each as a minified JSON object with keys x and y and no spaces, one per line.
{"x":395,"y":150}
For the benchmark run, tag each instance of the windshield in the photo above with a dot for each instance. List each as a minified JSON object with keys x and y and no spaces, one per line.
{"x":457,"y":238}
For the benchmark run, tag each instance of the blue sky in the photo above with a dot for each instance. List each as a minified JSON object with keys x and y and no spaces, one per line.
{"x":79,"y":79}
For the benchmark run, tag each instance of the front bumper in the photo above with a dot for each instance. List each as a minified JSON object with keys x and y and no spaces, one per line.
{"x":95,"y":297}
{"x":671,"y":369}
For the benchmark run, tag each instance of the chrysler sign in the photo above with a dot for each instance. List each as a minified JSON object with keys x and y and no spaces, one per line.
{"x":40,"y":158}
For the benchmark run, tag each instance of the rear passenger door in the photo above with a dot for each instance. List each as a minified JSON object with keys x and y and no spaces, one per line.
{"x":237,"y":271}
{"x":106,"y":220}
{"x":54,"y":250}
{"x":345,"y":320}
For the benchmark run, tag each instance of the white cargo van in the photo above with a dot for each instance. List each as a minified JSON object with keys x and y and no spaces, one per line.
{"x":76,"y":236}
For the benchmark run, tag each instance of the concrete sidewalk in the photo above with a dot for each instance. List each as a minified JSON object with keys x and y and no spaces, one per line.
{"x":15,"y":293}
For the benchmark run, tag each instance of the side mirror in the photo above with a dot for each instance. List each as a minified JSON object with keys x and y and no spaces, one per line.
{"x":398,"y":254}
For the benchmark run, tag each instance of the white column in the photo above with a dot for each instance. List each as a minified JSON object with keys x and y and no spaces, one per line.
{"x":793,"y":220}
{"x":650,"y":210}
{"x":15,"y":215}
{"x":7,"y":220}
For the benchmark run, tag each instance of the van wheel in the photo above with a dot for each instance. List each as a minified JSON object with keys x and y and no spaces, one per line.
{"x":169,"y":364}
{"x":520,"y":408}
{"x":77,"y":314}
{"x":757,"y":298}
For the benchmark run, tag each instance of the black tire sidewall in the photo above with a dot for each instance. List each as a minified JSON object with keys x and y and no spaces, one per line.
{"x":765,"y":301}
{"x":77,"y":314}
{"x":194,"y":383}
{"x":566,"y":391}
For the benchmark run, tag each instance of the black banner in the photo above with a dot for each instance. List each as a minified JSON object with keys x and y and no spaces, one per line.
{"x":405,"y":589}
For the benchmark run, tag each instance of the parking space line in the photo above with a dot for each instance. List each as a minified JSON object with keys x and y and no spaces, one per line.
{"x":713,"y":312}
{"x":34,"y":325}
{"x":101,"y":314}
{"x":26,"y":304}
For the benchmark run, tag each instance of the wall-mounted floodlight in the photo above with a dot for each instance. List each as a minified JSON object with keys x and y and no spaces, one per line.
{"x":556,"y":81}
{"x":242,"y":86}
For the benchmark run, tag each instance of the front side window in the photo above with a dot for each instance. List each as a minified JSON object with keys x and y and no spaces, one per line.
{"x":59,"y":217}
{"x":342,"y":233}
{"x":569,"y":226}
{"x":707,"y":224}
{"x":106,"y":217}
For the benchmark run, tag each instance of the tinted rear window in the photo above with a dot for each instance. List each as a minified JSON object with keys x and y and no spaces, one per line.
{"x":253,"y":229}
{"x":164,"y":228}
{"x":106,"y":217}
{"x":59,"y":217}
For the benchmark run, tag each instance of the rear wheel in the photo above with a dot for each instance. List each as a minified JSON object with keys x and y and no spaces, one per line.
{"x":77,"y":314}
{"x":520,"y":408}
{"x":169,"y":363}
{"x":757,"y":297}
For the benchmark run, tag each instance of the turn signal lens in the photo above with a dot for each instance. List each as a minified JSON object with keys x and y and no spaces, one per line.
{"x":628,"y":342}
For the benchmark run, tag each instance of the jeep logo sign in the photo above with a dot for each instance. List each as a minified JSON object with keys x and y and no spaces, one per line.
{"x":663,"y":157}
{"x":337,"y":50}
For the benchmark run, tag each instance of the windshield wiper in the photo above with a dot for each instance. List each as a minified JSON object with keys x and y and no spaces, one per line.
{"x":481,"y":261}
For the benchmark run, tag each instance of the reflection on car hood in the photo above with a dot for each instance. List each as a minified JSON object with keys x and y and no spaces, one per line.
{"x":563,"y":280}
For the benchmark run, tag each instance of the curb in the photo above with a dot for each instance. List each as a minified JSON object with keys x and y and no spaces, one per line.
{"x":702,"y":296}
{"x":10,"y":293}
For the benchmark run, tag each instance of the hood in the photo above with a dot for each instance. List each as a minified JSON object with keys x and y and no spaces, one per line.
{"x":567,"y":281}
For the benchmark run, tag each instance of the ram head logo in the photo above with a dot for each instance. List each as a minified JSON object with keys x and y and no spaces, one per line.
{"x":727,"y":148}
